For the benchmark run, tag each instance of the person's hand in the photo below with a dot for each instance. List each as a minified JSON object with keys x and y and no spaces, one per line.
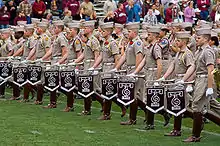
{"x":91,"y":68}
{"x":180,"y":82}
{"x":209,"y":92}
{"x":156,"y":84}
{"x":24,"y":61}
{"x":56,"y":64}
{"x":113,"y":70}
{"x":72,"y":63}
{"x":39,"y":60}
{"x":189,"y":89}
{"x":131,"y":75}
{"x":161,"y":79}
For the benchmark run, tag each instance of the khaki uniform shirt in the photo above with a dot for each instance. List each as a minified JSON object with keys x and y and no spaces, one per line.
{"x":43,"y":42}
{"x":91,"y":46}
{"x":58,"y":43}
{"x":74,"y":46}
{"x":19,"y":44}
{"x":109,"y":49}
{"x":134,"y":47}
{"x":204,"y":56}
{"x":29,"y":44}
{"x":183,"y":60}
{"x":7,"y":47}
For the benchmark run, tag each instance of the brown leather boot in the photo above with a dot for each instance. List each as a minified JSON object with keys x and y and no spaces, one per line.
{"x":49,"y":106}
{"x":192,"y":139}
{"x":107,"y":110}
{"x":68,"y":109}
{"x":197,"y":126}
{"x":105,"y":117}
{"x":84,"y":113}
{"x":150,"y":121}
{"x":173,"y":133}
{"x":132,"y":115}
{"x":38,"y":102}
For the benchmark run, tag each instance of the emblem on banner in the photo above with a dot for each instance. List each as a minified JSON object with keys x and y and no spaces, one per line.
{"x":85,"y":86}
{"x":51,"y":80}
{"x":20,"y":75}
{"x":109,"y":88}
{"x":126,"y":92}
{"x":176,"y":102}
{"x":155,"y":99}
{"x":67,"y":80}
{"x":34,"y":74}
{"x":5,"y":70}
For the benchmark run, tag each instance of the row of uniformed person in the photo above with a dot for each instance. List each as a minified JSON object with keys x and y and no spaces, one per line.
{"x":165,"y":52}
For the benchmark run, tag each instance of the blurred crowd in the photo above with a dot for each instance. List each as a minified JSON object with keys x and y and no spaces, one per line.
{"x":118,"y":11}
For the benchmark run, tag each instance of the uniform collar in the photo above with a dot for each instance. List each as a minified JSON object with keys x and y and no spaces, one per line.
{"x":136,"y":38}
{"x":204,"y":46}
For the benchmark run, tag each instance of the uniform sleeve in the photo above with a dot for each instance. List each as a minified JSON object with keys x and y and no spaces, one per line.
{"x":189,"y":59}
{"x":95,"y":45}
{"x":114,"y":47}
{"x":209,"y":57}
{"x":10,"y":46}
{"x":164,"y":43}
{"x":78,"y":45}
{"x":138,"y":47}
{"x":33,"y":43}
{"x":47,"y":42}
{"x":63,"y":42}
{"x":157,"y":52}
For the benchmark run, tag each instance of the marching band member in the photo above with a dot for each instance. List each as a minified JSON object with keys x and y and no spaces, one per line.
{"x":90,"y":53}
{"x":132,"y":57}
{"x":183,"y":67}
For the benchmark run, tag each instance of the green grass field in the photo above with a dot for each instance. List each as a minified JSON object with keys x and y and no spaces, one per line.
{"x":23,"y":124}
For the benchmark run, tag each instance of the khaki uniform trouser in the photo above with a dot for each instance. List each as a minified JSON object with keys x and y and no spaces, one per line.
{"x":96,"y":78}
{"x":139,"y":86}
{"x":199,"y":99}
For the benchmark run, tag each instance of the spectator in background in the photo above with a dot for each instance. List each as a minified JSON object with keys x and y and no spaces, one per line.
{"x":150,"y":18}
{"x":4,"y":17}
{"x":38,"y":9}
{"x":56,"y":14}
{"x":87,"y":11}
{"x":64,"y":3}
{"x":145,"y":7}
{"x":109,"y":6}
{"x":109,"y":17}
{"x":203,"y":6}
{"x":168,"y":16}
{"x":189,"y":12}
{"x":20,"y":17}
{"x":17,"y":2}
{"x":12,"y":9}
{"x":217,"y":14}
{"x":73,"y":6}
{"x":120,"y":16}
{"x":48,"y":4}
{"x":213,"y":12}
{"x":1,"y":4}
{"x":26,"y":7}
{"x":197,"y":15}
{"x":156,"y":12}
{"x":133,"y":12}
{"x":160,"y":8}
{"x":67,"y":16}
